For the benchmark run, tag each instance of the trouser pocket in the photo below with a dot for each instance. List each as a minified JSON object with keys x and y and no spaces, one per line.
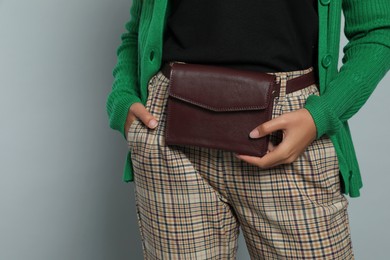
{"x":137,"y":125}
{"x":316,"y":170}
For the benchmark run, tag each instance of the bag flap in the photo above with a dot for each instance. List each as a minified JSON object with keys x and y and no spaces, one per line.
{"x":221,"y":88}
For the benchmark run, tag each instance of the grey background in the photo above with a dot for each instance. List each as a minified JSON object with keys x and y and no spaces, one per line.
{"x":61,"y":189}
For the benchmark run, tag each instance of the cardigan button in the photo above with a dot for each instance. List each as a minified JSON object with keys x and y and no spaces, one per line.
{"x":325,"y":2}
{"x":326,"y":60}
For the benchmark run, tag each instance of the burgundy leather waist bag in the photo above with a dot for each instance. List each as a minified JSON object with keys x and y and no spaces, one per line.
{"x":217,"y":107}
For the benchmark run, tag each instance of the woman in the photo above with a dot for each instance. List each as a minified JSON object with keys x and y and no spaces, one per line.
{"x":289,"y":203}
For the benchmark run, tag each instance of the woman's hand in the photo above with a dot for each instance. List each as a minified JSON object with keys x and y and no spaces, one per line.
{"x":138,"y":110}
{"x":299,"y":131}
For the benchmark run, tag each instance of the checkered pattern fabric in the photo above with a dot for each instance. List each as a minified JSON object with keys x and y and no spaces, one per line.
{"x":191,"y":201}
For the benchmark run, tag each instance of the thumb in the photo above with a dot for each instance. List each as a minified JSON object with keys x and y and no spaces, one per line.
{"x":148,"y":119}
{"x":145,"y":116}
{"x":267,"y":128}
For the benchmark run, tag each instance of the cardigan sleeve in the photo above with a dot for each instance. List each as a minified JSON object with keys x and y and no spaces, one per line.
{"x":125,"y":88}
{"x":365,"y":62}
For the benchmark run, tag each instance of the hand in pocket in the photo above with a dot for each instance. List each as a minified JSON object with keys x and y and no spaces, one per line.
{"x":138,"y":111}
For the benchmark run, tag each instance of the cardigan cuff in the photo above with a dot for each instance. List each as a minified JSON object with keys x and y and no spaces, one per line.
{"x":324,"y":118}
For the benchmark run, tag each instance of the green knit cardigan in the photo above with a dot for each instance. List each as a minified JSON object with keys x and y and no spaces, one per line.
{"x":343,"y":91}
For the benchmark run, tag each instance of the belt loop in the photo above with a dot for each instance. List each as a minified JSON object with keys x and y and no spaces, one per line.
{"x":283,"y":84}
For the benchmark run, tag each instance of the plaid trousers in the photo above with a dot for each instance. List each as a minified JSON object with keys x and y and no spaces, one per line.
{"x":191,"y":201}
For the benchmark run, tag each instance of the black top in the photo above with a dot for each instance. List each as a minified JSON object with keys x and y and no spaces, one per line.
{"x":263,"y":35}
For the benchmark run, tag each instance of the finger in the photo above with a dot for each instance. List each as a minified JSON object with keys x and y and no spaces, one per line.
{"x":129,"y":120}
{"x":144,"y":115}
{"x":270,"y":159}
{"x":131,"y":116}
{"x":268,"y":127}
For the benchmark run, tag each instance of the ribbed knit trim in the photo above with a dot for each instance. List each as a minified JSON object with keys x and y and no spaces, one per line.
{"x":325,"y":120}
{"x":354,"y":186}
{"x":127,"y":175}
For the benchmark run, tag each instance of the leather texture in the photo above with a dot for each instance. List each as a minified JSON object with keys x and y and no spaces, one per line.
{"x":292,"y":84}
{"x":217,"y":107}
